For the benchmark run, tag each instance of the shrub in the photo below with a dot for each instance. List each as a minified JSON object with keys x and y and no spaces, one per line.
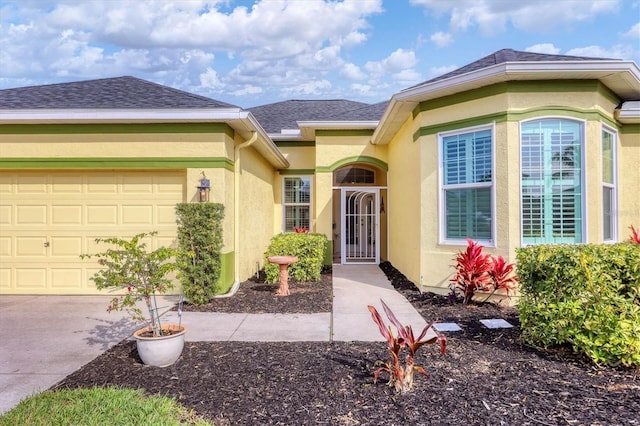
{"x":401,"y":375}
{"x":476,"y":271}
{"x":200,"y":242}
{"x":309,"y":248}
{"x":586,"y":296}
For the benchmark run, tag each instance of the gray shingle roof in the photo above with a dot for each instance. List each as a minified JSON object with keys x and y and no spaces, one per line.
{"x":108,"y":93}
{"x":507,"y":55}
{"x":284,"y":115}
{"x":371,"y":112}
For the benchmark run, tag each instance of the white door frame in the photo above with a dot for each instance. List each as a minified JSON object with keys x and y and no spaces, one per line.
{"x":367,"y":223}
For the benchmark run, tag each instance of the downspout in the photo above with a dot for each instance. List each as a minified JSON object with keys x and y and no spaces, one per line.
{"x":236,"y":214}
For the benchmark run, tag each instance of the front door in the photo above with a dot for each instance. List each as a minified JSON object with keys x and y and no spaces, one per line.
{"x":360,"y":229}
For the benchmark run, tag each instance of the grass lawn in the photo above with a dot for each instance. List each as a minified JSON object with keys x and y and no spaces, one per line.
{"x":99,"y":406}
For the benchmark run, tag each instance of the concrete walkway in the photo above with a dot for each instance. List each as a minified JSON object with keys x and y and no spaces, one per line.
{"x":45,"y":338}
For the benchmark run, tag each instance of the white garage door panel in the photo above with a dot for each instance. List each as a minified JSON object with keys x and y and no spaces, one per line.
{"x":48,"y":219}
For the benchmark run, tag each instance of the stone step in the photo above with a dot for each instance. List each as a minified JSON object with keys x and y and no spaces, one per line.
{"x":489,"y":323}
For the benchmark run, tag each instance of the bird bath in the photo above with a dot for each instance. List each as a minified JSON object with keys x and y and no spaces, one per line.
{"x":283,"y":262}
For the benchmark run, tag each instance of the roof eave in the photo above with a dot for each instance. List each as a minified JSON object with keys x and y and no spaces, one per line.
{"x":115,"y":115}
{"x":628,"y":113}
{"x":308,"y":128}
{"x":623,"y":77}
{"x":265,"y":145}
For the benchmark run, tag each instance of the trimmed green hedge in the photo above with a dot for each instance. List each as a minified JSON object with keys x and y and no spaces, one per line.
{"x":310,"y":250}
{"x":587,"y":296}
{"x":200,"y":243}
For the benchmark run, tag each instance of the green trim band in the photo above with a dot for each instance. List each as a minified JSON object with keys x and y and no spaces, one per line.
{"x":225,"y":282}
{"x":350,"y":160}
{"x":118,"y":163}
{"x":459,"y":124}
{"x":630,"y":129}
{"x":103,"y":128}
{"x":345,"y":132}
{"x":555,"y":86}
{"x":290,"y":172}
{"x":499,"y":117}
{"x":294,"y":144}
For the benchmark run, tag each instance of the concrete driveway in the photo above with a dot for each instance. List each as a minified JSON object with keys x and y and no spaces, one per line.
{"x":45,"y":338}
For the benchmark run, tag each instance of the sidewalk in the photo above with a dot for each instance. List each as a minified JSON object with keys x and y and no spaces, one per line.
{"x":45,"y":338}
{"x":354,"y":288}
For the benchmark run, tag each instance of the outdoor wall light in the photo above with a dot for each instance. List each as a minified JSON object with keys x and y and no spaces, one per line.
{"x":203,"y":189}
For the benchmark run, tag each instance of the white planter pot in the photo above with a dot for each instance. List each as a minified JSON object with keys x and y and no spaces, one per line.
{"x":161,"y":351}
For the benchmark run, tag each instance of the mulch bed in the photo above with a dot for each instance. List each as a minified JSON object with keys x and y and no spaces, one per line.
{"x":487,"y":377}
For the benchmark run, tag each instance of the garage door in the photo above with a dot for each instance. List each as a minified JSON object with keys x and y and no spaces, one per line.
{"x":47,"y":219}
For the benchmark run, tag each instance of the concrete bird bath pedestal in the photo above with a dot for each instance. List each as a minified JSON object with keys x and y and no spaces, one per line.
{"x":283,"y":262}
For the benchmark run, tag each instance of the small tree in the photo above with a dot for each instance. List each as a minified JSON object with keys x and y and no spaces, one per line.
{"x":140,"y":274}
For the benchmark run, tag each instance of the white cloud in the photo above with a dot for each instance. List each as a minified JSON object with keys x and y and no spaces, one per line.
{"x":441,"y":39}
{"x":398,"y":60}
{"x":210,"y":80}
{"x":492,"y":16}
{"x":362,"y":89}
{"x":633,"y":33}
{"x":407,"y":77}
{"x":270,"y":43}
{"x":315,"y":87}
{"x":352,"y":72}
{"x":616,"y":52}
{"x":248,"y":90}
{"x":548,"y":48}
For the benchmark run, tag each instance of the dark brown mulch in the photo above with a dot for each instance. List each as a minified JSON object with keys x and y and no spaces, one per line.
{"x":487,"y":377}
{"x":257,"y":297}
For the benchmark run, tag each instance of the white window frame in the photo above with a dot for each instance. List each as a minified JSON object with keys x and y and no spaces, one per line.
{"x":285,"y":204}
{"x":583,"y":178}
{"x":613,"y":186}
{"x":442,"y":188}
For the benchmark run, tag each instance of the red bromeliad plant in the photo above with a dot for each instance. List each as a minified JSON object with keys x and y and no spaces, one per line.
{"x":401,"y":376}
{"x":476,"y":271}
{"x":472,"y":267}
{"x":302,"y":230}
{"x":502,"y":275}
{"x":635,"y":235}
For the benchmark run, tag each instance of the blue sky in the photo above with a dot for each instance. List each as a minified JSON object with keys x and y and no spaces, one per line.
{"x":252,"y":53}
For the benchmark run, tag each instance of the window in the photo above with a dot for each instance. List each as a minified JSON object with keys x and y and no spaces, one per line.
{"x":551,"y":179}
{"x":354,"y":176}
{"x":608,"y":185}
{"x":296,"y":203}
{"x":467,"y":185}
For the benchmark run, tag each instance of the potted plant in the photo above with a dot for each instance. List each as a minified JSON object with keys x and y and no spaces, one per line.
{"x":141,"y":275}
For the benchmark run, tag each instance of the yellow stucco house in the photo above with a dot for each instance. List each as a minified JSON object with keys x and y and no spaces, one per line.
{"x":516,"y":148}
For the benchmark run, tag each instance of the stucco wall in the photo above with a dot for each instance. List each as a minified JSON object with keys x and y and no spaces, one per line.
{"x":629,"y":180}
{"x":112,"y":141}
{"x":405,"y":212}
{"x":256,"y":215}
